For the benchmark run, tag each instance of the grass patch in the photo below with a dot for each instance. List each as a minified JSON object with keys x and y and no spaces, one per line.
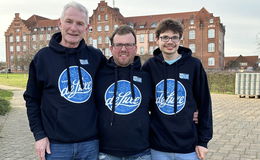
{"x":14,"y":79}
{"x":5,"y":97}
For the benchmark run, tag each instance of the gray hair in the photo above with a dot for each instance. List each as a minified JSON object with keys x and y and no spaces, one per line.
{"x":78,"y":6}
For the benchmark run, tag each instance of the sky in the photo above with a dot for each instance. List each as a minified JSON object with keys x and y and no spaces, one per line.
{"x":240,"y":18}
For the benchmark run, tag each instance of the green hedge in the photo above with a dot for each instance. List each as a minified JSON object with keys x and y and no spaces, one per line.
{"x":5,"y":97}
{"x":221,"y":82}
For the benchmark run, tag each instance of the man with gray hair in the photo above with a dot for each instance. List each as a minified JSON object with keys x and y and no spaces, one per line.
{"x":59,"y":100}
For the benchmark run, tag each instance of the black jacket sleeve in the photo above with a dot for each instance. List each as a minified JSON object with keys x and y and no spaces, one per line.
{"x":32,"y":96}
{"x":203,"y":100}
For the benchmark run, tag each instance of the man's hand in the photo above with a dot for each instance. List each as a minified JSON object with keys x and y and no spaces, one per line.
{"x":42,"y":146}
{"x":195,"y":117}
{"x":201,"y":152}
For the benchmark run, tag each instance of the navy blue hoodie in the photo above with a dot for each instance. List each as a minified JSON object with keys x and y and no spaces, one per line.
{"x":60,"y":104}
{"x":172,"y":125}
{"x":124,"y":120}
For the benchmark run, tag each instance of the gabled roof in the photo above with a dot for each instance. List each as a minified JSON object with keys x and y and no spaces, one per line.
{"x":151,"y":19}
{"x":38,"y":21}
{"x":251,"y":60}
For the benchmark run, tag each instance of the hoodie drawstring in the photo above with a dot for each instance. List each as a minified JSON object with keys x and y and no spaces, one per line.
{"x":176,"y":87}
{"x":114,"y":99}
{"x":131,"y":81}
{"x":79,"y":71}
{"x":68,"y":72}
{"x":164,"y":81}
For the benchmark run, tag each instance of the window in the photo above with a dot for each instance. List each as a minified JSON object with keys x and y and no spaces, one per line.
{"x":11,"y":39}
{"x":99,"y":18}
{"x":49,"y":29}
{"x":24,"y":48}
{"x":211,"y":20}
{"x":141,"y":37}
{"x":99,"y":28}
{"x":141,"y":50}
{"x":192,"y":47}
{"x":99,"y":40}
{"x":151,"y":37}
{"x":115,"y":26}
{"x":211,"y":61}
{"x":211,"y":33}
{"x":48,"y":37}
{"x":243,"y":63}
{"x":56,"y":28}
{"x":41,"y":37}
{"x":42,"y":29}
{"x":24,"y":38}
{"x":107,"y":40}
{"x":11,"y":48}
{"x":18,"y":49}
{"x":35,"y":29}
{"x":192,"y":34}
{"x":151,"y":50}
{"x":17,"y":30}
{"x":106,"y":27}
{"x":106,"y":17}
{"x":154,"y":25}
{"x":141,"y":26}
{"x":211,"y":47}
{"x":192,"y":22}
{"x":17,"y":38}
{"x":90,"y":40}
{"x":107,"y":52}
{"x":34,"y":37}
{"x":131,"y":25}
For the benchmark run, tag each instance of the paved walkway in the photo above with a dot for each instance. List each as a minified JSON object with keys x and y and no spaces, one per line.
{"x":236,"y":130}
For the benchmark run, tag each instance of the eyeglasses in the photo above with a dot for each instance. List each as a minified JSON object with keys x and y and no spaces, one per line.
{"x":127,"y":45}
{"x":175,"y":39}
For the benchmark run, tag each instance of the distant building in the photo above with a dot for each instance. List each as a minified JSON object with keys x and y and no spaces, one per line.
{"x":26,"y":37}
{"x":203,"y":33}
{"x":241,"y":63}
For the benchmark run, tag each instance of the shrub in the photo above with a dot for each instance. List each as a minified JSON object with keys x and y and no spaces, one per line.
{"x":5,"y":96}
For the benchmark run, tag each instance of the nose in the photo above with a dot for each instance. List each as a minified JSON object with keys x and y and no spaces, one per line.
{"x":123,"y":48}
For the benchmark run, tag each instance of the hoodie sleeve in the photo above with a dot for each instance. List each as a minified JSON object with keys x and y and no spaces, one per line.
{"x":203,"y":100}
{"x":32,"y":96}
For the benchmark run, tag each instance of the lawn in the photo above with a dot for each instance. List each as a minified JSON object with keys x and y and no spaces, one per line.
{"x":14,"y":79}
{"x":5,"y":97}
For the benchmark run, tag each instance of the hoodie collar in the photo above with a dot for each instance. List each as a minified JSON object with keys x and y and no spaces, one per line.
{"x":55,"y":45}
{"x":185,"y":53}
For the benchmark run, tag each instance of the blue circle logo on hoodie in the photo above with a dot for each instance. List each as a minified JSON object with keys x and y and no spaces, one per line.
{"x":167,"y":107}
{"x":77,"y":94}
{"x":124,"y":103}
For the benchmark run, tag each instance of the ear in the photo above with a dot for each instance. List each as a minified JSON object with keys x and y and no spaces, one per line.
{"x":111,"y":48}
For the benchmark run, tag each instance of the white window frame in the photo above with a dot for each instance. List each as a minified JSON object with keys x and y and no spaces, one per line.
{"x":211,"y":47}
{"x":211,"y":33}
{"x":192,"y":34}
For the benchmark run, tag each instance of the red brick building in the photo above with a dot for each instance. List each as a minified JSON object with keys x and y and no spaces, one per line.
{"x":203,"y":33}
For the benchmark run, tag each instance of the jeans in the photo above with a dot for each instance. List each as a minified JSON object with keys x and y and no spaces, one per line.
{"x":158,"y":155}
{"x":146,"y":155}
{"x":87,"y":150}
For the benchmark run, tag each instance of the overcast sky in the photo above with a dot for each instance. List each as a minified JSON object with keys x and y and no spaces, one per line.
{"x":241,"y":18}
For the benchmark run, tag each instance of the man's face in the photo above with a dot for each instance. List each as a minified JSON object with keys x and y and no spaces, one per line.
{"x":73,"y":27}
{"x":169,"y":42}
{"x":123,"y":49}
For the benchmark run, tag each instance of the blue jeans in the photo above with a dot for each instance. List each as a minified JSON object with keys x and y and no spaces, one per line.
{"x":146,"y":155}
{"x":158,"y":155}
{"x":87,"y":150}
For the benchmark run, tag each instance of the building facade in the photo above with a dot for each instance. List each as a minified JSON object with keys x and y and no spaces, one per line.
{"x":203,"y":33}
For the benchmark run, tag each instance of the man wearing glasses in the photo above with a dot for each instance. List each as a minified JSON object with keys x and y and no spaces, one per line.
{"x":123,"y":94}
{"x":181,"y":88}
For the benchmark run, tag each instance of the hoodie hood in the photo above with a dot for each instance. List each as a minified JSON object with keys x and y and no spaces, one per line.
{"x":57,"y":47}
{"x":183,"y":51}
